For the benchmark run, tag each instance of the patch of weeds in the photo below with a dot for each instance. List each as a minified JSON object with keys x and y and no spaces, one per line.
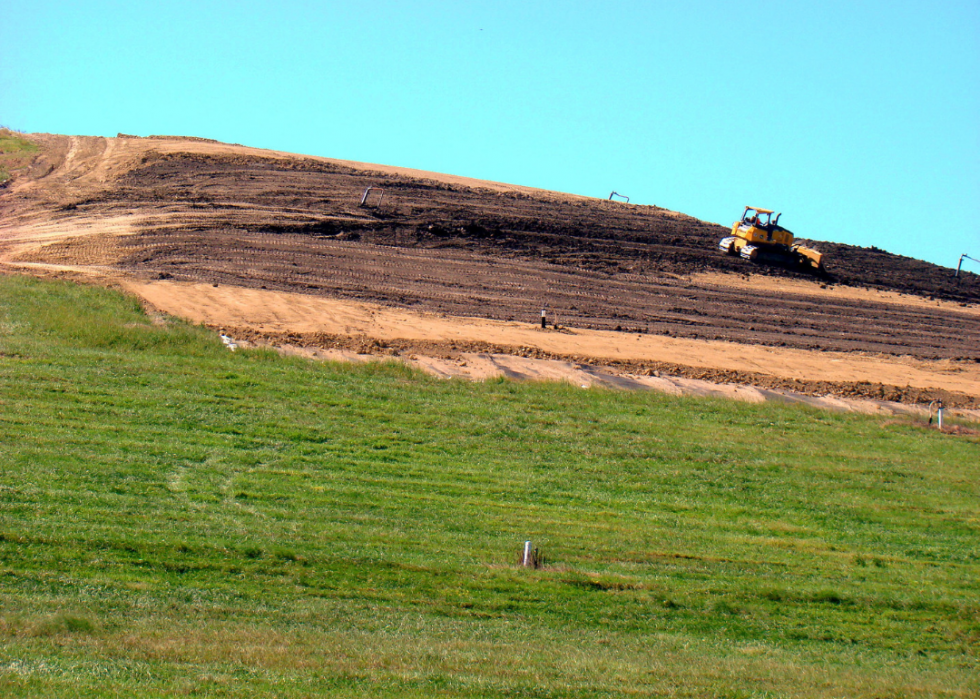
{"x":600,"y":584}
{"x":774,"y":594}
{"x":287,"y":555}
{"x":739,"y":694}
{"x":61,"y":624}
{"x":16,"y":151}
{"x":828,"y":596}
{"x":723,"y":606}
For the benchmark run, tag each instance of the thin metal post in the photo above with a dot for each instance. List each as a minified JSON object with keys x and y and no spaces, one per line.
{"x":368,"y":191}
{"x":964,"y":256}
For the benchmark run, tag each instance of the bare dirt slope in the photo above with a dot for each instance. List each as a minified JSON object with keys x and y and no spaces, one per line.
{"x":315,"y":321}
{"x":141,"y":210}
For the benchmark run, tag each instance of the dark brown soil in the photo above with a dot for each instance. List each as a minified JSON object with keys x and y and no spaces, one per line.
{"x":319,"y":199}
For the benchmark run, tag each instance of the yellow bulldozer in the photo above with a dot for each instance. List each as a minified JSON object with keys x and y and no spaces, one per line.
{"x":758,"y":236}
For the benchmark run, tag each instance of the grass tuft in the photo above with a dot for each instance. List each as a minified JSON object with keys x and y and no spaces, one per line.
{"x":16,"y":152}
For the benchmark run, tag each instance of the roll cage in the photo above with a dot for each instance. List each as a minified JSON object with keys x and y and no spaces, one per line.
{"x":763,"y":218}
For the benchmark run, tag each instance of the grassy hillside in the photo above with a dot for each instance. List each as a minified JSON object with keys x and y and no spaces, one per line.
{"x":179,"y":519}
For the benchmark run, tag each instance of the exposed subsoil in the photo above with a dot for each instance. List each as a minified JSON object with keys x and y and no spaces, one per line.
{"x":456,"y":349}
{"x":197,"y":211}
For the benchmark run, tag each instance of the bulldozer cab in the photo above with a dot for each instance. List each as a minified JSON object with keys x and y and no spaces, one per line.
{"x":762,"y":218}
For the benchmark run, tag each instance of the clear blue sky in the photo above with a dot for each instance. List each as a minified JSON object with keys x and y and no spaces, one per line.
{"x":860,"y":121}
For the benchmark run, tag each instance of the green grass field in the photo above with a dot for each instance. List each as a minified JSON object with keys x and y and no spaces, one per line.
{"x":180,"y":520}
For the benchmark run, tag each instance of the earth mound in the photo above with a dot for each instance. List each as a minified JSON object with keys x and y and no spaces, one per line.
{"x":201,"y":212}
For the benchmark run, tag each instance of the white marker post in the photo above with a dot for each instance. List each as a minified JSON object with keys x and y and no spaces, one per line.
{"x":527,"y":554}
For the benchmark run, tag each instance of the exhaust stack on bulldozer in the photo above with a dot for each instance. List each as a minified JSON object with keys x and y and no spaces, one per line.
{"x":759,"y":236}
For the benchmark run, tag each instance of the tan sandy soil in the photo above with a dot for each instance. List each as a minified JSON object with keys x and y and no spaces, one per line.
{"x":178,"y":145}
{"x":82,"y":160}
{"x":278,"y":313}
{"x":482,"y":366}
{"x":75,"y":165}
{"x":769,"y":285}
